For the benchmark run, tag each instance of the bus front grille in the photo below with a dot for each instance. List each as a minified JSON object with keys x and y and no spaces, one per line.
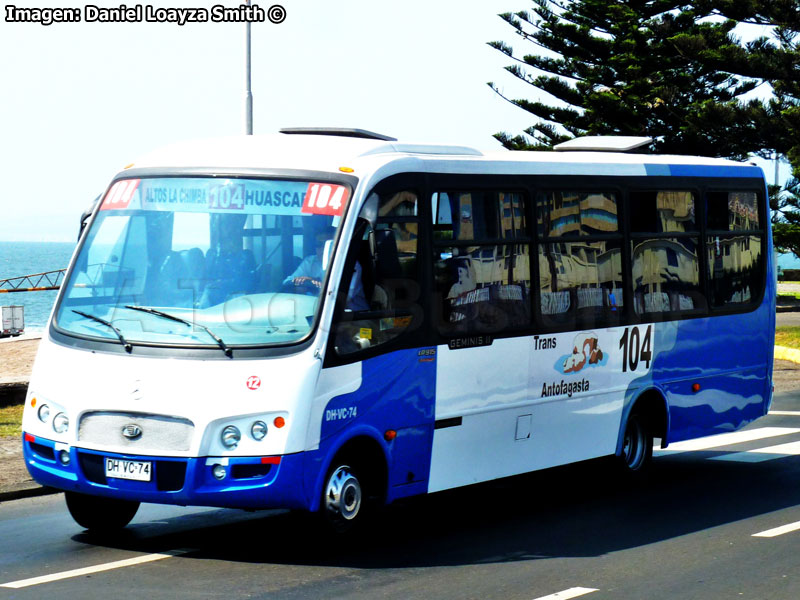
{"x":136,"y":432}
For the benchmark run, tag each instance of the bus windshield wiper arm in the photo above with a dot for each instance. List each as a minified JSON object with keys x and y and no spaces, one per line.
{"x":125,"y":343}
{"x":159,"y":313}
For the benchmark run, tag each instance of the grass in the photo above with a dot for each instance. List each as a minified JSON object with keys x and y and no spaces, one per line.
{"x":788,"y":337}
{"x":788,"y":295}
{"x":11,"y":421}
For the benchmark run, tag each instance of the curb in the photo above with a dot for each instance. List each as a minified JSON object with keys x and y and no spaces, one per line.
{"x":29,"y":489}
{"x":784,"y":353}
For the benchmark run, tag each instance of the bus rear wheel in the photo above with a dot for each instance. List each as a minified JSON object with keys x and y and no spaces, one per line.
{"x":637,"y":446}
{"x":98,"y":514}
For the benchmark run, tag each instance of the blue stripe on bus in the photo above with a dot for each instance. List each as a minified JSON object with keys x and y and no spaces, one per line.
{"x":725,"y":356}
{"x":656,"y":170}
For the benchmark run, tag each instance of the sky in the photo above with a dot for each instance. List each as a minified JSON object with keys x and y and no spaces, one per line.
{"x":79,"y":101}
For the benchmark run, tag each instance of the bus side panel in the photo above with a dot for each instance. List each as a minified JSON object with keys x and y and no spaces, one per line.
{"x":396,"y":393}
{"x":527,"y":403}
{"x":727,"y":356}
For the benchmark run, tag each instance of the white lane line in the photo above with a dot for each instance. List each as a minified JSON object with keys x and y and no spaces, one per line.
{"x":785,"y":413}
{"x":770,"y":533}
{"x":725,"y":439}
{"x":90,"y":570}
{"x":570,"y":593}
{"x":762,"y":454}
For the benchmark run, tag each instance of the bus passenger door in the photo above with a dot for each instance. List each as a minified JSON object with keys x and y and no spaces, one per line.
{"x":481,"y":299}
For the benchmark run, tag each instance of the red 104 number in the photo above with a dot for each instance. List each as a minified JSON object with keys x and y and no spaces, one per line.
{"x":636,"y":348}
{"x":325,"y":199}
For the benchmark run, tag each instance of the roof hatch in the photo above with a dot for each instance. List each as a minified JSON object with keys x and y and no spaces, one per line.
{"x":338,"y":132}
{"x":604,"y":143}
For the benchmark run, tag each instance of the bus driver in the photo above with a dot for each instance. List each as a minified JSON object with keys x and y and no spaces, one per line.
{"x":311,"y":272}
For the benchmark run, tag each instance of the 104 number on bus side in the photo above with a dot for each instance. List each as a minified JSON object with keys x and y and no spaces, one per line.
{"x":636,"y":348}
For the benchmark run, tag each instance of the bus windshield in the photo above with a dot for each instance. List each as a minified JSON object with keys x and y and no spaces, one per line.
{"x":204,"y":261}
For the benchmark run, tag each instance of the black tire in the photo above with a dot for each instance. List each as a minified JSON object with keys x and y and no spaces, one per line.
{"x":637,"y":446}
{"x":98,"y":514}
{"x":344,"y":504}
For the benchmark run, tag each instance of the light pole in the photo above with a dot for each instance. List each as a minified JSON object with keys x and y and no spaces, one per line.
{"x":248,"y":93}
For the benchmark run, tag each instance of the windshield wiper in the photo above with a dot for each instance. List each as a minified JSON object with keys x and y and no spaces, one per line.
{"x":159,"y":313}
{"x":125,"y":343}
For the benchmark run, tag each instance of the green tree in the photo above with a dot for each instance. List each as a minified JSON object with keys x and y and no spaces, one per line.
{"x":622,"y":68}
{"x":671,"y":70}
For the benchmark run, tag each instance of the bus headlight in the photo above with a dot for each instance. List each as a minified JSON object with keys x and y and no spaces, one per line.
{"x":231,"y":436}
{"x":258,"y":430}
{"x":44,"y":413}
{"x":60,"y":423}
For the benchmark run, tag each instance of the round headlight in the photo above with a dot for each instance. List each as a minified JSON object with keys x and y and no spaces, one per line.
{"x":231,"y":436}
{"x":44,"y":413}
{"x":219,"y":472}
{"x":258,"y":430}
{"x":60,"y":423}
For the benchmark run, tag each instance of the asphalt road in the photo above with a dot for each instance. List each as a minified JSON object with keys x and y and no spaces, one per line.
{"x":688,"y":532}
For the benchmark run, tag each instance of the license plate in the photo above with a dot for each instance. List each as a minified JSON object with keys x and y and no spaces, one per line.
{"x":136,"y":470}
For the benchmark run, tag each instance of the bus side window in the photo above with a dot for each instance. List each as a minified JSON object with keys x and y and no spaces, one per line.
{"x":580,"y":258}
{"x":734,"y":246}
{"x":481,"y":261}
{"x":665,"y":270}
{"x":386,"y":263}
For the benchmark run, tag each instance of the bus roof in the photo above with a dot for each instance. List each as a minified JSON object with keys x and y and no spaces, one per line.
{"x":310,"y":152}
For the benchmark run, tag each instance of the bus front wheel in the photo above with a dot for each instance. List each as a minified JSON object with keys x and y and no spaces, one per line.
{"x":343,"y":497}
{"x":98,"y":514}
{"x":637,"y":445}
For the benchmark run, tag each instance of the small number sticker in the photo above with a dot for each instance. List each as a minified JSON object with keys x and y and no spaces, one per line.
{"x":325,"y":199}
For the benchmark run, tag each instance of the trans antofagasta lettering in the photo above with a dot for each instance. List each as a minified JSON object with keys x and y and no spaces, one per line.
{"x":568,"y":388}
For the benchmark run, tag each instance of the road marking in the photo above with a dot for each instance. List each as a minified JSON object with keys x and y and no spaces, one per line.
{"x":762,"y":454}
{"x":129,"y":562}
{"x":785,"y":413}
{"x":770,"y":533}
{"x":570,"y":593}
{"x":725,"y":439}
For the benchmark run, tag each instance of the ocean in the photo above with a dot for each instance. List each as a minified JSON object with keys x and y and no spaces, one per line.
{"x":27,"y":258}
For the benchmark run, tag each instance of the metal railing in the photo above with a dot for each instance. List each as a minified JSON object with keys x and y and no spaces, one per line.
{"x":39,"y":282}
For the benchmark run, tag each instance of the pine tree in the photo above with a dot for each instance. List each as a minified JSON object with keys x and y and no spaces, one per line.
{"x":662,"y":68}
{"x":626,"y":68}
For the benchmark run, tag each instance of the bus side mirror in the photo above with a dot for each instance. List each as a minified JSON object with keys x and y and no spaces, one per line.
{"x":86,"y":215}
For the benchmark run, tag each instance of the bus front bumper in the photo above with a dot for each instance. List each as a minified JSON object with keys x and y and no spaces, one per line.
{"x":250,"y":482}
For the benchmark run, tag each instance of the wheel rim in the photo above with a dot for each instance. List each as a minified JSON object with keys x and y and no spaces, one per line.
{"x":633,"y":446}
{"x":343,"y":494}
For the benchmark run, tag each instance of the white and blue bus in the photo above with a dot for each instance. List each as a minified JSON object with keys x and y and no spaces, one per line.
{"x":331,"y":319}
